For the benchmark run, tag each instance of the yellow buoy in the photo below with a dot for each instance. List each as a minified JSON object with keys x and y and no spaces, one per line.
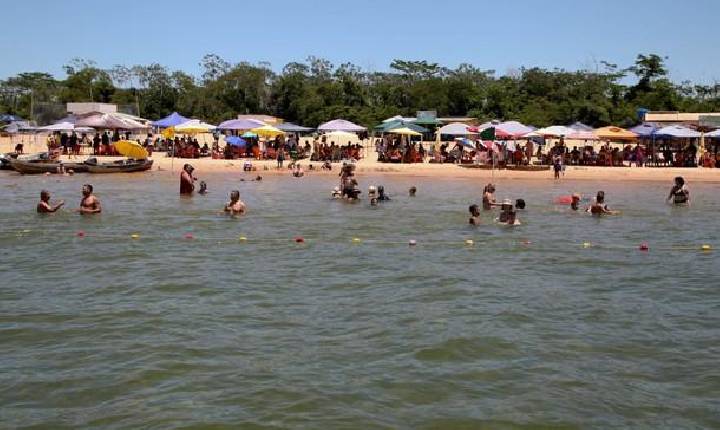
{"x":356,"y":240}
{"x":135,"y":236}
{"x":587,"y":244}
{"x":706,"y":247}
{"x":469,"y":242}
{"x":242,"y":238}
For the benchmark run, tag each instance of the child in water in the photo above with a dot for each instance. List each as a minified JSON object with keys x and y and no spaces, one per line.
{"x":679,"y":194}
{"x":520,"y":204}
{"x":203,"y":188}
{"x":474,"y":215}
{"x":599,"y":207}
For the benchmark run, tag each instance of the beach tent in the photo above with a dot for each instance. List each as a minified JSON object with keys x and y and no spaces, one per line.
{"x":454,"y":129}
{"x":713,"y":134}
{"x":235,"y":141}
{"x":340,"y":135}
{"x":386,"y":126}
{"x":644,"y":130}
{"x":677,"y":131}
{"x":613,"y":133}
{"x":405,"y":131}
{"x":553,"y":130}
{"x":170,"y":121}
{"x":578,"y":126}
{"x":194,"y":126}
{"x":65,"y":126}
{"x":240,"y":124}
{"x":512,"y":129}
{"x":115,"y":121}
{"x":293,"y":128}
{"x":340,"y":125}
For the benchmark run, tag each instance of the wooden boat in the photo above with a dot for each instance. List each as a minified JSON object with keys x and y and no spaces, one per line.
{"x":529,"y":168}
{"x":479,"y":166}
{"x":5,"y":160}
{"x":126,"y":165}
{"x":43,"y":164}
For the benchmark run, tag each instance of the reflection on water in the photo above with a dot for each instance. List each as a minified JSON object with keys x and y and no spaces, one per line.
{"x":524,"y":329}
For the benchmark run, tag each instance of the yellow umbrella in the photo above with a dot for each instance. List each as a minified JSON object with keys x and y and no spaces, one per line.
{"x":194,"y":126}
{"x":168,"y":133}
{"x":405,"y":131}
{"x":267,"y":131}
{"x":615,"y":133}
{"x":130,"y":149}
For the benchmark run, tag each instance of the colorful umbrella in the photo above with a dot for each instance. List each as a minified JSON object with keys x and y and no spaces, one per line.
{"x":130,"y":149}
{"x":267,"y":131}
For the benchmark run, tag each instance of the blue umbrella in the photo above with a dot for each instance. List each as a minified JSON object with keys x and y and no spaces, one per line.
{"x":170,"y":121}
{"x":235,"y":141}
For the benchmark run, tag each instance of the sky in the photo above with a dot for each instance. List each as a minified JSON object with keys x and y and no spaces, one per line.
{"x":505,"y":35}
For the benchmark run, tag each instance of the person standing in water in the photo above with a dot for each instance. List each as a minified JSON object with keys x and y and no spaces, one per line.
{"x":235,"y":206}
{"x":599,"y":207}
{"x":488,"y":198}
{"x":187,"y":180}
{"x":474,"y":215}
{"x":679,"y":194}
{"x":89,"y":204}
{"x":44,"y":206}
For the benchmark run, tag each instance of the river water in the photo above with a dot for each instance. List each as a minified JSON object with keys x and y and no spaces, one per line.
{"x":527,"y":328}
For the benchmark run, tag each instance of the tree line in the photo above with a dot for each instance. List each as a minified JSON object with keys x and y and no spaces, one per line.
{"x":315,"y":90}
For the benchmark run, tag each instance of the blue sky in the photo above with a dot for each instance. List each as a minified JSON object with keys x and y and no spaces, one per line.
{"x":42,"y":35}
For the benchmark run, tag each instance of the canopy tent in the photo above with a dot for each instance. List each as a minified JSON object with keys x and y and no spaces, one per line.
{"x":130,"y":149}
{"x":454,"y":129}
{"x":170,"y":121}
{"x":235,"y":141}
{"x":677,"y":131}
{"x":110,"y":121}
{"x":385,"y":127}
{"x":582,"y":135}
{"x":65,"y":126}
{"x":340,"y":135}
{"x":644,"y":130}
{"x":578,"y":126}
{"x":615,"y":133}
{"x":293,"y":128}
{"x":240,"y":124}
{"x":267,"y":131}
{"x":17,"y":127}
{"x":405,"y":131}
{"x":512,"y":129}
{"x":340,"y":125}
{"x":713,"y":134}
{"x":194,"y":126}
{"x":553,"y":130}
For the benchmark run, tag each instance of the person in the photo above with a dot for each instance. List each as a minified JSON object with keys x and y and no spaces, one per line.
{"x":336,"y":193}
{"x":557,"y":166}
{"x":679,"y":194}
{"x":474,"y":215}
{"x":235,"y":206}
{"x":298,"y":171}
{"x":187,"y":180}
{"x":412,"y":191}
{"x":508,"y":215}
{"x":575,"y":201}
{"x":488,"y":199}
{"x":280,"y":155}
{"x":203,"y":188}
{"x":373,"y":195}
{"x":381,"y":194}
{"x":44,"y":206}
{"x":89,"y":203}
{"x":520,"y":204}
{"x":599,"y":207}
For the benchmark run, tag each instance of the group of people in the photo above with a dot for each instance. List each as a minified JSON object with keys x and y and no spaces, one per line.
{"x":89,"y":204}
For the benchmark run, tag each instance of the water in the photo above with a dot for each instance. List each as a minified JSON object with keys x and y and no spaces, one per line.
{"x":525,"y":329}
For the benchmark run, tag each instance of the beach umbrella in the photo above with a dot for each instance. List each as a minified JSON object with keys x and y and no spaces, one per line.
{"x":578,"y":126}
{"x":240,"y":124}
{"x":130,"y":149}
{"x":61,"y":126}
{"x":171,"y":120}
{"x":615,"y":133}
{"x":677,"y":131}
{"x":512,"y":129}
{"x":582,"y":135}
{"x":454,"y":129}
{"x":194,"y":126}
{"x":110,"y":121}
{"x":553,"y":130}
{"x":340,"y":135}
{"x":249,"y":135}
{"x":385,"y":127}
{"x":267,"y":131}
{"x":235,"y":141}
{"x":713,"y":134}
{"x":292,"y":128}
{"x":340,"y":125}
{"x":405,"y":131}
{"x":644,"y":130}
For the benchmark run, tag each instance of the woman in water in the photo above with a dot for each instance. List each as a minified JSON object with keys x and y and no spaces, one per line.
{"x":488,"y":199}
{"x":474,"y":215}
{"x":679,"y":194}
{"x":599,"y":207}
{"x":235,"y":206}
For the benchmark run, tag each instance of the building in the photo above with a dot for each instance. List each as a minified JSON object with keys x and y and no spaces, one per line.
{"x":698,"y":120}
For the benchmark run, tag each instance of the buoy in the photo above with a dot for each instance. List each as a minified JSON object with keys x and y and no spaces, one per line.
{"x":706,"y":247}
{"x":80,"y":233}
{"x":412,"y":242}
{"x":189,"y":236}
{"x":526,"y":242}
{"x":26,"y":231}
{"x":356,"y":240}
{"x":135,"y":236}
{"x":242,"y":238}
{"x":587,"y":244}
{"x":469,"y":242}
{"x":299,"y":239}
{"x":644,"y":247}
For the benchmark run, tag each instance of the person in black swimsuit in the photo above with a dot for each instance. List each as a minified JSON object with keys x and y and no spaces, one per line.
{"x":679,"y":194}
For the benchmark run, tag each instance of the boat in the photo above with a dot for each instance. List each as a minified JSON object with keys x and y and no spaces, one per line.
{"x":41,"y":163}
{"x":529,"y":168}
{"x":126,"y":165}
{"x":5,"y":160}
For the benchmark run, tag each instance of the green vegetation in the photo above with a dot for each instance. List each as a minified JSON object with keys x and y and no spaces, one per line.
{"x":314,"y":91}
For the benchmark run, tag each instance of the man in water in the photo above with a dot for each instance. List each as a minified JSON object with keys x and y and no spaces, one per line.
{"x":235,"y":206}
{"x":187,"y":180}
{"x":412,"y":191}
{"x":679,"y":194}
{"x":599,"y":207}
{"x":89,"y":204}
{"x":44,"y":206}
{"x":488,"y":199}
{"x":575,"y":202}
{"x":474,"y":215}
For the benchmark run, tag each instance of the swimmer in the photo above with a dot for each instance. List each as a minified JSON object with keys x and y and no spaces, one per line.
{"x":505,"y":209}
{"x":351,"y":189}
{"x":488,"y":199}
{"x":336,"y":193}
{"x":373,"y":195}
{"x":203,"y":188}
{"x":44,"y":206}
{"x":258,"y":178}
{"x":297,"y":171}
{"x":381,"y":194}
{"x":474,"y":215}
{"x":679,"y":193}
{"x":599,"y":207}
{"x":235,"y":206}
{"x":412,"y":191}
{"x":575,"y":201}
{"x":520,"y":204}
{"x":89,"y":204}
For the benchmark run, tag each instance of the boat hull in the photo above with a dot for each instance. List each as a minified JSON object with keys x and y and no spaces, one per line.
{"x":34,"y":167}
{"x":120,"y":167}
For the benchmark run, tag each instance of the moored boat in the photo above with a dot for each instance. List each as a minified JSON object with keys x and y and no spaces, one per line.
{"x":43,"y":164}
{"x":125,"y":165}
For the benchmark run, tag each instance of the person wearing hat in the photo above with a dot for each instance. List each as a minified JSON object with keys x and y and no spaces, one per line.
{"x":505,"y":209}
{"x":187,"y":180}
